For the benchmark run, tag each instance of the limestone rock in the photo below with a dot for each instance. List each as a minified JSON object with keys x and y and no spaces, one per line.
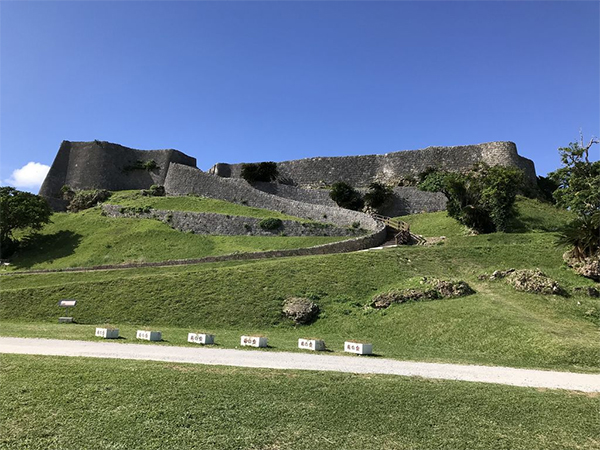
{"x":534,"y":281}
{"x":300,"y":310}
{"x":588,"y":267}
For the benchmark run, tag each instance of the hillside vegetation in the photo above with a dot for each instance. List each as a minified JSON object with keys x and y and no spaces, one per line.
{"x":497,"y":325}
{"x":88,"y":238}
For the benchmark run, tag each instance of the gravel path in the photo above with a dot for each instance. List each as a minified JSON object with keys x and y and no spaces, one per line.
{"x":303,"y":361}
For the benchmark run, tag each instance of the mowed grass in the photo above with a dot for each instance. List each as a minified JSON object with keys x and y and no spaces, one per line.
{"x":496,"y":326}
{"x":88,"y":238}
{"x":195,"y":204}
{"x":75,"y":403}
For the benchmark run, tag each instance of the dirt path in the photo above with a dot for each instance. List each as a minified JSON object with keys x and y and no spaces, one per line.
{"x":304,"y":361}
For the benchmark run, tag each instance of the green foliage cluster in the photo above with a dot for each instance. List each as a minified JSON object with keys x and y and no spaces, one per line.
{"x":346,"y":196}
{"x":154,"y":191}
{"x":432,"y":180}
{"x":80,"y":200}
{"x":578,"y":180}
{"x":264,"y":171}
{"x":135,"y":210}
{"x":482,"y":199}
{"x":149,"y":165}
{"x":377,"y":195}
{"x":578,"y":190}
{"x":19,"y":211}
{"x":270,"y":224}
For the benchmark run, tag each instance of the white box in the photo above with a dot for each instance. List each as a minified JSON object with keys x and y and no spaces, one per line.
{"x":358,"y":348}
{"x":311,"y":344}
{"x":253,"y":341}
{"x":149,"y":335}
{"x":201,"y":338}
{"x":107,"y":333}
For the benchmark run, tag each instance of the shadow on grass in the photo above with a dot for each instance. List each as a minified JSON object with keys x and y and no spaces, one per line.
{"x":41,"y":248}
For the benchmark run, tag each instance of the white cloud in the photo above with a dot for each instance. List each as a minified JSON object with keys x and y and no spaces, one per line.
{"x":30,"y":176}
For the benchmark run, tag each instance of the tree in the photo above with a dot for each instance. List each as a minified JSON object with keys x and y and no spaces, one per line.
{"x":264,"y":171}
{"x":377,"y":194}
{"x":482,"y":199}
{"x":346,"y":196}
{"x":20,"y":211}
{"x":578,"y":180}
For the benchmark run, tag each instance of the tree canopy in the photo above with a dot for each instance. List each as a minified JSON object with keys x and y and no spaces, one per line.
{"x":20,"y":211}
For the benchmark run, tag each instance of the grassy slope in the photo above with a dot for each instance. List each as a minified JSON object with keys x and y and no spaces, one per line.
{"x":88,"y":238}
{"x":497,"y":326}
{"x":195,"y":204}
{"x":50,"y":402}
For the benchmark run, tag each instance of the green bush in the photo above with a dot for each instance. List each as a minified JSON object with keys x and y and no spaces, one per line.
{"x":87,"y":199}
{"x":377,"y":195}
{"x":432,"y":180}
{"x":154,"y":191}
{"x":264,"y":171}
{"x":346,"y":196}
{"x":270,"y":224}
{"x":583,"y":235}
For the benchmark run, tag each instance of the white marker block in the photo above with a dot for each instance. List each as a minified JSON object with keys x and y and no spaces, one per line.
{"x":358,"y":348}
{"x":148,"y":335}
{"x":201,"y":338}
{"x":107,"y":333}
{"x":311,"y":344}
{"x":253,"y":341}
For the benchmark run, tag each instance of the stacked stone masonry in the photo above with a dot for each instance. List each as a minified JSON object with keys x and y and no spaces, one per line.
{"x":360,"y":171}
{"x":226,"y":225}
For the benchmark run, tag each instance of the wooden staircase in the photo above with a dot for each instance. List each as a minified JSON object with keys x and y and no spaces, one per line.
{"x":399,"y":229}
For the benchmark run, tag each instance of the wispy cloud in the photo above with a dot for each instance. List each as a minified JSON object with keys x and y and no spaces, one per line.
{"x":29,"y":177}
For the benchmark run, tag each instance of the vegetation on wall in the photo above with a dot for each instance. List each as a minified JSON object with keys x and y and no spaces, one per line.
{"x":264,"y":171}
{"x":19,"y":211}
{"x":346,"y":196}
{"x":84,"y":199}
{"x":377,"y":195}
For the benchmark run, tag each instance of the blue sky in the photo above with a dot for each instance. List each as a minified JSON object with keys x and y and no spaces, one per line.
{"x":252,"y":81}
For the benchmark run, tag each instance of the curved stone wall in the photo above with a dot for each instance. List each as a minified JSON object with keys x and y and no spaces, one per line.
{"x":182,"y":180}
{"x":226,"y":225}
{"x":360,"y":171}
{"x":103,"y":165}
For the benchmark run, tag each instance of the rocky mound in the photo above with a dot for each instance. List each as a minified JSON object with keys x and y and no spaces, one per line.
{"x":439,"y":289}
{"x":301,"y":310}
{"x":525,"y":280}
{"x":588,"y":267}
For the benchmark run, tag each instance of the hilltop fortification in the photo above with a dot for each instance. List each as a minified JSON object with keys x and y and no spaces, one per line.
{"x":360,"y":171}
{"x":103,"y":165}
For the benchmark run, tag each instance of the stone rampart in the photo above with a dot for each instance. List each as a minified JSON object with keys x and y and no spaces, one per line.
{"x":103,"y":165}
{"x":360,"y":171}
{"x":182,"y":180}
{"x":411,"y":200}
{"x":314,"y":196}
{"x":226,"y":225}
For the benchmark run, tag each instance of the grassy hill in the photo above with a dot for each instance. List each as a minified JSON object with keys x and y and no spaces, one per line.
{"x":497,"y":325}
{"x":88,"y":238}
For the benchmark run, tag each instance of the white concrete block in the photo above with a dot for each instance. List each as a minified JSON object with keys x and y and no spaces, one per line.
{"x":148,"y":335}
{"x":253,"y":341}
{"x":358,"y":348}
{"x":311,"y":344}
{"x":107,"y":333}
{"x":201,"y":338}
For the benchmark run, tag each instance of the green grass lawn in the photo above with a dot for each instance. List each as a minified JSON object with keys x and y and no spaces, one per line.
{"x":495,"y":326}
{"x":195,"y":204}
{"x":88,"y":238}
{"x":77,"y":403}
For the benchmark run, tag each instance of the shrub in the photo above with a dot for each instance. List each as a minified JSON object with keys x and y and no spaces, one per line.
{"x":346,"y":196}
{"x":270,"y":224}
{"x":149,"y":165}
{"x":264,"y":171}
{"x":377,"y":195}
{"x":583,"y":235}
{"x":87,"y":199}
{"x":154,"y":191}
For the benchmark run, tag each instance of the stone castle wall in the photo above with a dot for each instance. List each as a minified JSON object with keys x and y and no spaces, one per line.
{"x":226,"y":225}
{"x":360,"y":171}
{"x":182,"y":180}
{"x":102,"y":165}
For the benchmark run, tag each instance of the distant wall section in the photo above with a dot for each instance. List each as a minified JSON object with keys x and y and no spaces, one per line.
{"x":103,"y":165}
{"x":360,"y":171}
